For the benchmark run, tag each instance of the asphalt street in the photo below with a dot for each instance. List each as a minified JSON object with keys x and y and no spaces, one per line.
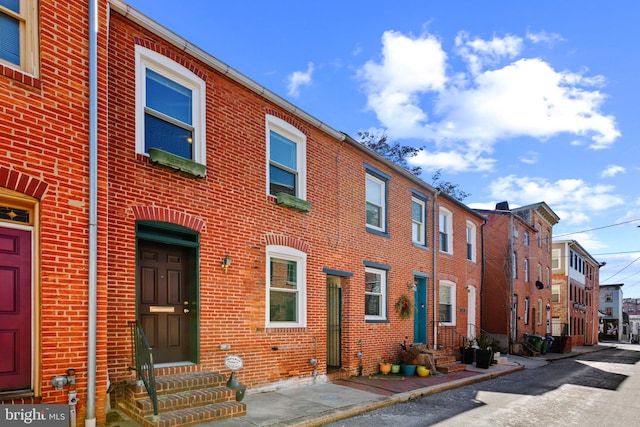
{"x":597,"y":389}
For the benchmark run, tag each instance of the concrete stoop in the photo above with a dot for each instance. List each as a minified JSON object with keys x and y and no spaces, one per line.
{"x":183,"y":400}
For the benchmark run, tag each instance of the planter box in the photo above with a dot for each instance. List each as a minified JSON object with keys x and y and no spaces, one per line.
{"x":484,"y":358}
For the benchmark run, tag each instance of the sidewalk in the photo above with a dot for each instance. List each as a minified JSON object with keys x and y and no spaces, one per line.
{"x":318,"y":404}
{"x":321,"y":403}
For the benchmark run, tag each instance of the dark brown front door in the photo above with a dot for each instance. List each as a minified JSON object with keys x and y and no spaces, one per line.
{"x":15,"y":309}
{"x":164,"y":306}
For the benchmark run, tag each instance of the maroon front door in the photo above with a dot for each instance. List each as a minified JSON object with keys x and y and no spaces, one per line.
{"x":15,"y":309}
{"x":164,"y":307}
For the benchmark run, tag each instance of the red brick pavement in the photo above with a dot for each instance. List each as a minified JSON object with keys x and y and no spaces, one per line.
{"x":391,"y":384}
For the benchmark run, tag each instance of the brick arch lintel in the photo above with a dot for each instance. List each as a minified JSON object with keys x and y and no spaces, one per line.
{"x":23,"y":183}
{"x":449,"y":277}
{"x":155,"y":213}
{"x":289,"y":241}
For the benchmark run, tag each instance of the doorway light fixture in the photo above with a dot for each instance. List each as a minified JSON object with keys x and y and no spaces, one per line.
{"x":226,"y":262}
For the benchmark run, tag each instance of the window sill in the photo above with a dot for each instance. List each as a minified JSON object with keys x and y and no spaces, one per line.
{"x":177,"y":163}
{"x":293,"y":202}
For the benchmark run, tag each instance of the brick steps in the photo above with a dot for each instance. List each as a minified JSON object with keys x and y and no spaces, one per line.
{"x":183,"y":399}
{"x":447,"y":363}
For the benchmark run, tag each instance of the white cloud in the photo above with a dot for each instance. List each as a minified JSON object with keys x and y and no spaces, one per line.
{"x":571,"y":199}
{"x":479,"y":53}
{"x":500,"y":96}
{"x":452,"y":161}
{"x":299,"y":78}
{"x":543,"y":37}
{"x":530,"y":157}
{"x":612,"y":170}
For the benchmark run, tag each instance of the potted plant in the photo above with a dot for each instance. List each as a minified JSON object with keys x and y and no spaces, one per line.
{"x":385,"y":366}
{"x":468,"y":353}
{"x":484,"y":352}
{"x":409,"y":360}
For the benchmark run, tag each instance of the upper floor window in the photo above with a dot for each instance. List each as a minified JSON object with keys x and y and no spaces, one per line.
{"x":525,"y":238}
{"x":286,"y":287}
{"x":526,"y":269}
{"x":170,"y":107}
{"x":375,"y":294}
{"x":539,"y":235}
{"x":608,"y":297}
{"x":445,"y":225}
{"x":471,"y":241}
{"x":19,"y":35}
{"x":286,"y":147}
{"x":539,"y":272}
{"x":555,"y":259}
{"x":447,"y":305}
{"x":548,"y":241}
{"x":418,"y":221}
{"x":555,"y":293}
{"x":514,"y":265}
{"x":376,"y":200}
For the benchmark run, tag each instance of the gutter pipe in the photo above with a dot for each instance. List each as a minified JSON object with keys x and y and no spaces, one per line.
{"x":90,"y":419}
{"x":435,"y":270}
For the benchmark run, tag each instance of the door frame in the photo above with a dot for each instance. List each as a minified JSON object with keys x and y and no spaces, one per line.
{"x":334,"y":311}
{"x":22,"y":201}
{"x":421,"y":314}
{"x":177,"y":235}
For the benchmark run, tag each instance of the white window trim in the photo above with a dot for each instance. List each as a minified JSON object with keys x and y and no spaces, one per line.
{"x":293,"y":134}
{"x":526,"y":270}
{"x":383,"y":291}
{"x":423,"y":221}
{"x":148,"y":59}
{"x":540,"y":312}
{"x":555,"y":259}
{"x":291,"y":254}
{"x":471,"y":229}
{"x":452,"y":293}
{"x":383,"y":207}
{"x":29,"y":38}
{"x":448,"y":229}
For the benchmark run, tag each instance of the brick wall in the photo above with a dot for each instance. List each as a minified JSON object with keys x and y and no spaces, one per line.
{"x":239,"y":219}
{"x":44,"y":141}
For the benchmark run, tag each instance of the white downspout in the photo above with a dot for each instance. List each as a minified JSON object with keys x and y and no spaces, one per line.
{"x":435,"y":270}
{"x":90,"y":419}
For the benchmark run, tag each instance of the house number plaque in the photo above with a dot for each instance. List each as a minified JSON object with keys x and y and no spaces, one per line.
{"x":233,"y":362}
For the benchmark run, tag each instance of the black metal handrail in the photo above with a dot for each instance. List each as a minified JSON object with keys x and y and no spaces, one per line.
{"x":142,"y":362}
{"x":448,"y":337}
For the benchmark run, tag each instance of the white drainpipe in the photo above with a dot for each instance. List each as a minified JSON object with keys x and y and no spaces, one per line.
{"x":435,"y":270}
{"x":90,"y":419}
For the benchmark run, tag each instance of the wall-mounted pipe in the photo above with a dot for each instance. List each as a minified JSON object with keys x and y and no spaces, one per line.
{"x":90,"y":419}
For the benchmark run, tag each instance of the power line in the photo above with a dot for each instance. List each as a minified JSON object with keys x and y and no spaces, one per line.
{"x":597,"y":228}
{"x":624,"y":268}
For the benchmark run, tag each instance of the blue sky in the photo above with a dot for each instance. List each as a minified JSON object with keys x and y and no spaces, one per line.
{"x":516,"y":101}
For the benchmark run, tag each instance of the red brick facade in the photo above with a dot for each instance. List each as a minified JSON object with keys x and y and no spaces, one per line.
{"x":44,"y":169}
{"x":517,"y":279}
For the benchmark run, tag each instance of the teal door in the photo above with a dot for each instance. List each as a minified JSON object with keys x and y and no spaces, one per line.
{"x":420,"y":317}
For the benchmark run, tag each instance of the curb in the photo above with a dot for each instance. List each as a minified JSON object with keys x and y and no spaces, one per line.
{"x":348,"y":412}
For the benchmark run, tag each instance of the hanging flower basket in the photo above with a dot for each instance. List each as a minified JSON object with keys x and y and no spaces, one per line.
{"x":404,"y":306}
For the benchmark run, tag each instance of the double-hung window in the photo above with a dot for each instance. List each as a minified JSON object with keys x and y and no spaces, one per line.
{"x":526,"y":270}
{"x":19,"y":35}
{"x":555,"y":293}
{"x":447,"y":304}
{"x":286,"y":287}
{"x":418,"y":221}
{"x":170,"y":107}
{"x":376,"y":200}
{"x":286,"y":148}
{"x":471,"y":241}
{"x":445,"y":225}
{"x":375,"y":294}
